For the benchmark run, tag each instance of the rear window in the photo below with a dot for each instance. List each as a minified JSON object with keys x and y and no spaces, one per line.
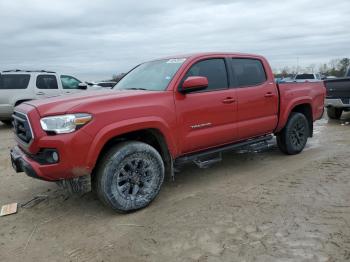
{"x":14,"y":81}
{"x":248,"y":72}
{"x":305,"y":76}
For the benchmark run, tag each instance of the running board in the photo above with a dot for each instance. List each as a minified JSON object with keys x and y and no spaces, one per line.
{"x":208,"y":162}
{"x":207,"y":155}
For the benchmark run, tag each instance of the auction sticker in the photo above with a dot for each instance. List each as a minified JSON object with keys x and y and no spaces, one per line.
{"x":176,"y":61}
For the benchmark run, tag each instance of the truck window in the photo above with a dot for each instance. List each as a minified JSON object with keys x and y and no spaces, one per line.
{"x":46,"y":82}
{"x":248,"y":72}
{"x":214,"y":70}
{"x":69,"y":82}
{"x":14,"y":81}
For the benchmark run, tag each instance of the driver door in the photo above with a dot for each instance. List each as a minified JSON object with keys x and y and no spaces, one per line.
{"x":207,"y":118}
{"x":70,"y":84}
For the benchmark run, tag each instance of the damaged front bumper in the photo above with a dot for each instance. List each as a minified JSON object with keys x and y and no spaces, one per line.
{"x":21,"y":163}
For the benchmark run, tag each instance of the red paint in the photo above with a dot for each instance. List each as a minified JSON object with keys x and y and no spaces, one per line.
{"x":188,"y":122}
{"x":195,"y":81}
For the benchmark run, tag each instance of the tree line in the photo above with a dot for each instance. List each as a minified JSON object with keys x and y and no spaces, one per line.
{"x":335,"y":67}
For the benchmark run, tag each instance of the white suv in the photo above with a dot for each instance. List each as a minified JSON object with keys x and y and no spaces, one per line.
{"x":17,"y":86}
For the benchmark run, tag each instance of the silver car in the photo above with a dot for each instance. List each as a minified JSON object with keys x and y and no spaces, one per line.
{"x":17,"y":86}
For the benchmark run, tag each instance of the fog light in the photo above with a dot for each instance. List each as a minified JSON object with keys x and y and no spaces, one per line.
{"x":54,"y":156}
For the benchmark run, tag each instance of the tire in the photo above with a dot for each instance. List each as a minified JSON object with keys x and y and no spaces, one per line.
{"x":129,"y":176}
{"x":334,"y":113}
{"x":292,"y":139}
{"x":7,"y":122}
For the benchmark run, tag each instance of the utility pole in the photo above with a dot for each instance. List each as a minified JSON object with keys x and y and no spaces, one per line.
{"x":298,"y":65}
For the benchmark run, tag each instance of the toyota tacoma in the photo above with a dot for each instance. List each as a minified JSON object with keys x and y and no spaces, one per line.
{"x":121,"y":143}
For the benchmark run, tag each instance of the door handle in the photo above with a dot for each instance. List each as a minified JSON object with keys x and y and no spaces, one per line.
{"x":228,"y":100}
{"x":269,"y":94}
{"x":40,"y":93}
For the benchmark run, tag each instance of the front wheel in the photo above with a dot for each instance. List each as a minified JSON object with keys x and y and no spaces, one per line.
{"x":292,"y":139}
{"x":334,"y":113}
{"x":129,"y":176}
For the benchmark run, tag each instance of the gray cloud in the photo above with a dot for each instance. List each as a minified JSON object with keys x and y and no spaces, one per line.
{"x":94,"y":39}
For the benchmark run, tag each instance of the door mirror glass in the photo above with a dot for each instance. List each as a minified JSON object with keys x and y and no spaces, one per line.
{"x":194,"y":83}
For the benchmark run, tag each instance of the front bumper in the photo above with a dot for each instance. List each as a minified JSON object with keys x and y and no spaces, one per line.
{"x":337,"y":102}
{"x":21,"y":163}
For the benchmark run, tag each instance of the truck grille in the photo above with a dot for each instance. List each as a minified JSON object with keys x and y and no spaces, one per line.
{"x":22,"y":127}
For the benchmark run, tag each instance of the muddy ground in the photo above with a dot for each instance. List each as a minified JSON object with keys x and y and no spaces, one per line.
{"x":251,"y":207}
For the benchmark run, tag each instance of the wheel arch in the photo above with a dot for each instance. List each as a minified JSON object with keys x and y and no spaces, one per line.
{"x":20,"y":101}
{"x":151,"y":136}
{"x":303,"y":106}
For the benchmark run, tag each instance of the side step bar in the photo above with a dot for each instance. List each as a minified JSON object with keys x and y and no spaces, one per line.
{"x":214,"y":155}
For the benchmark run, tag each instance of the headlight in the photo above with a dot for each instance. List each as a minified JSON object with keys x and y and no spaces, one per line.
{"x":65,"y":123}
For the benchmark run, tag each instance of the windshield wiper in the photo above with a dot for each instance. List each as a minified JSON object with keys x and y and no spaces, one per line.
{"x":135,"y":88}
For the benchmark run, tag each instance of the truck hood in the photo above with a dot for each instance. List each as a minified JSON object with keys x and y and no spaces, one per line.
{"x":65,"y":104}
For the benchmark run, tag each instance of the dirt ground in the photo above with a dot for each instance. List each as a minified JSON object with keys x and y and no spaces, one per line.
{"x":250,"y":207}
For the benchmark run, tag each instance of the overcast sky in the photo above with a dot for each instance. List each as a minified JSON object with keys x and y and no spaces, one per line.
{"x":97,"y":38}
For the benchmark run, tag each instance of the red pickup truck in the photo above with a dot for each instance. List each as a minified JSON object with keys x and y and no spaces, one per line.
{"x":161,"y":114}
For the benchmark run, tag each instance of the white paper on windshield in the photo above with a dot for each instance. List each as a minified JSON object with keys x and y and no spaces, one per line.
{"x":176,"y":61}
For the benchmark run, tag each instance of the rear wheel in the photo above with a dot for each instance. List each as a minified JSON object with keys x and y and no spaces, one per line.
{"x":129,"y":176}
{"x":292,"y":139}
{"x":334,"y":113}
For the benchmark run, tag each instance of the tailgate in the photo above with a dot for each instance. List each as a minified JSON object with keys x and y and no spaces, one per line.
{"x":338,"y":88}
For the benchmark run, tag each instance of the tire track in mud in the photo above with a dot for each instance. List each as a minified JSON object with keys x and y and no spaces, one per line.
{"x":300,"y":216}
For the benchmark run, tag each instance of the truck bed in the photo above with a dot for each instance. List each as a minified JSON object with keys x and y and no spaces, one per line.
{"x":312,"y":93}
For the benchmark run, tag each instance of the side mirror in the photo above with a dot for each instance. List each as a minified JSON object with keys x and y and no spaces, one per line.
{"x":194,"y":83}
{"x":82,"y":86}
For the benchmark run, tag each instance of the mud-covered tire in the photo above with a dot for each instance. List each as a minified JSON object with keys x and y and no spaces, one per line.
{"x":7,"y":122}
{"x":334,"y":113}
{"x":129,"y":176}
{"x":292,"y":139}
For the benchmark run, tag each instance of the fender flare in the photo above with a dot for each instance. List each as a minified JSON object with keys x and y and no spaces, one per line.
{"x":126,"y":126}
{"x":283,"y":116}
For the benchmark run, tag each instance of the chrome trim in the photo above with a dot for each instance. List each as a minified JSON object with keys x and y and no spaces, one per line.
{"x":335,"y":102}
{"x":30,"y":127}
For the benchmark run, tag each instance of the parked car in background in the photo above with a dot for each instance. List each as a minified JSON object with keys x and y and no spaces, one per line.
{"x":338,"y":96}
{"x":17,"y":86}
{"x":307,"y":77}
{"x":162,"y":114}
{"x":330,"y":77}
{"x":106,"y":84}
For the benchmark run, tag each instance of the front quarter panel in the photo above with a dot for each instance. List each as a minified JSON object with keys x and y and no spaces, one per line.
{"x":113,"y":118}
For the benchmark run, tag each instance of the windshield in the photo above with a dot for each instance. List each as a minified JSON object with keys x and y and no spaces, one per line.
{"x":305,"y":76}
{"x":154,"y":76}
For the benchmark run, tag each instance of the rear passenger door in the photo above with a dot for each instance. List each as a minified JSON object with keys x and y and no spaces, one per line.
{"x":46,"y":86}
{"x":257,"y":98}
